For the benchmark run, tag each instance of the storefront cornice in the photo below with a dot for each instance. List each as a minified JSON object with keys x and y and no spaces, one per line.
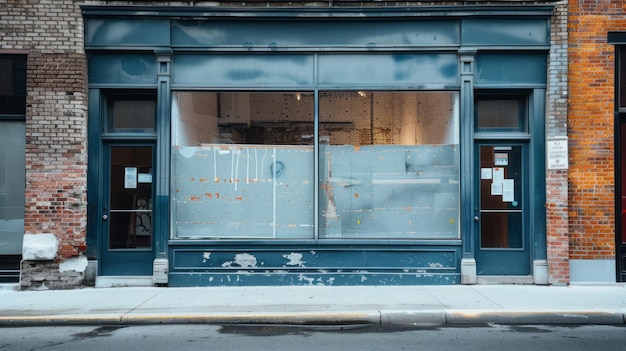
{"x":298,"y":13}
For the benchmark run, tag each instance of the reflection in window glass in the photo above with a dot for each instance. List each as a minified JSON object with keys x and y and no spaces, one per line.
{"x":243,"y":164}
{"x":390,"y":165}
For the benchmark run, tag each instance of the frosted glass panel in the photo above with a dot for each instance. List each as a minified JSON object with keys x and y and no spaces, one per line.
{"x":390,"y":169}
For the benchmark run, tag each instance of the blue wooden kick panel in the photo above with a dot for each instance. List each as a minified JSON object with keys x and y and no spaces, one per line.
{"x":315,"y":265}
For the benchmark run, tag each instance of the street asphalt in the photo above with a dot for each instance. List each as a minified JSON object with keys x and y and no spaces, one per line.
{"x":318,"y":305}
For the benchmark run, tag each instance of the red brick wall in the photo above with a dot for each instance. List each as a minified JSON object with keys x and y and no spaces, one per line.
{"x":55,"y":148}
{"x":51,"y":34}
{"x":591,"y":93}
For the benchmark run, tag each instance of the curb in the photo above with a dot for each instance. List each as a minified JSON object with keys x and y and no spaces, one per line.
{"x":535,"y":317}
{"x":383,"y":318}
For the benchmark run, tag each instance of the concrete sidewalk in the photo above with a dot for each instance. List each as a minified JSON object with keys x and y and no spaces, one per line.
{"x":526,"y":304}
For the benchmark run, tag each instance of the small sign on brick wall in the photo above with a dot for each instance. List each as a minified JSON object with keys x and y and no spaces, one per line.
{"x":557,"y":154}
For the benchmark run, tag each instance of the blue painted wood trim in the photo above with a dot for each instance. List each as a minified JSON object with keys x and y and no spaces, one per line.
{"x":467,"y":70}
{"x":163,"y":155}
{"x":94,"y":160}
{"x":182,"y":279}
{"x":538,"y":176}
{"x":337,"y":28}
{"x":511,"y":69}
{"x":192,"y":265}
{"x":322,"y":12}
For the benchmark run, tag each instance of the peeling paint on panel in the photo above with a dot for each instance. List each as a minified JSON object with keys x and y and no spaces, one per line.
{"x":243,"y":260}
{"x":206,"y":256}
{"x":435,"y":265}
{"x":302,"y":277}
{"x":295,"y":259}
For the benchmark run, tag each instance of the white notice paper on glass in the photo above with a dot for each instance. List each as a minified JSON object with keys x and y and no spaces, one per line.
{"x":508,"y":190}
{"x":130,"y":178}
{"x":496,"y":188}
{"x":486,"y":173}
{"x":498,"y":174}
{"x":144,"y":178}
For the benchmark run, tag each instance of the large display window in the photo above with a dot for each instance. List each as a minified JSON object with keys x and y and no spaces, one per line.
{"x":391,"y":168}
{"x":244,"y":165}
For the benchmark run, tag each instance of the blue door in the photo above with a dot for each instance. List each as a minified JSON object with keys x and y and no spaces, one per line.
{"x":126,"y":210}
{"x":501,"y":211}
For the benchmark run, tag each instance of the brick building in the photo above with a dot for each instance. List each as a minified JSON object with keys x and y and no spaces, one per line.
{"x":595,"y":128}
{"x":222,"y":143}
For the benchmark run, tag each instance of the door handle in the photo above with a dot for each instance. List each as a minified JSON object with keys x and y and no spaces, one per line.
{"x":105,"y":217}
{"x":476,"y":219}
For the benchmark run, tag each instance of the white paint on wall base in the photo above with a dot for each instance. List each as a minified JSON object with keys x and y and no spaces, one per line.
{"x":39,"y":247}
{"x":76,"y":264}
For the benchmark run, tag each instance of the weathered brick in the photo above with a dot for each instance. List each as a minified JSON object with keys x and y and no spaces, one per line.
{"x":590,"y":127}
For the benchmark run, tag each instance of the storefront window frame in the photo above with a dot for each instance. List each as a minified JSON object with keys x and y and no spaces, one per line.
{"x":317,"y":219}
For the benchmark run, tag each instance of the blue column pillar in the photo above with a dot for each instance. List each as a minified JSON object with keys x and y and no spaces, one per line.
{"x":468,"y":262}
{"x":162,"y":189}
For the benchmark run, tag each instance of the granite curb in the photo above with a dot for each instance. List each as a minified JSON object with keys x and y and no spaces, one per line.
{"x":381,"y":317}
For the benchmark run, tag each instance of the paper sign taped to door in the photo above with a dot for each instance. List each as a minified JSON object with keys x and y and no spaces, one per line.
{"x":508,"y":190}
{"x":130,"y":177}
{"x":498,"y":174}
{"x":501,"y":159}
{"x":496,"y":188}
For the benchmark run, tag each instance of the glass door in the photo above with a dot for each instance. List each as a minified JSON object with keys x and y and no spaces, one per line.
{"x":127,"y":210}
{"x":500,"y":214}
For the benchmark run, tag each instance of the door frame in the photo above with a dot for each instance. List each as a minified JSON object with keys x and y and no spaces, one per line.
{"x":533,"y":134}
{"x":121,"y":262}
{"x":100,"y":135}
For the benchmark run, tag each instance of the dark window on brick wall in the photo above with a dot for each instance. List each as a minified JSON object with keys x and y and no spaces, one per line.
{"x":12,"y":85}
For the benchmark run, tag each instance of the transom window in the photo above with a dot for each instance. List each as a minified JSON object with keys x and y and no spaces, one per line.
{"x":504,"y":112}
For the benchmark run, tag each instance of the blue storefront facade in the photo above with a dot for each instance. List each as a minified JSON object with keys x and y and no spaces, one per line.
{"x":247,"y":146}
